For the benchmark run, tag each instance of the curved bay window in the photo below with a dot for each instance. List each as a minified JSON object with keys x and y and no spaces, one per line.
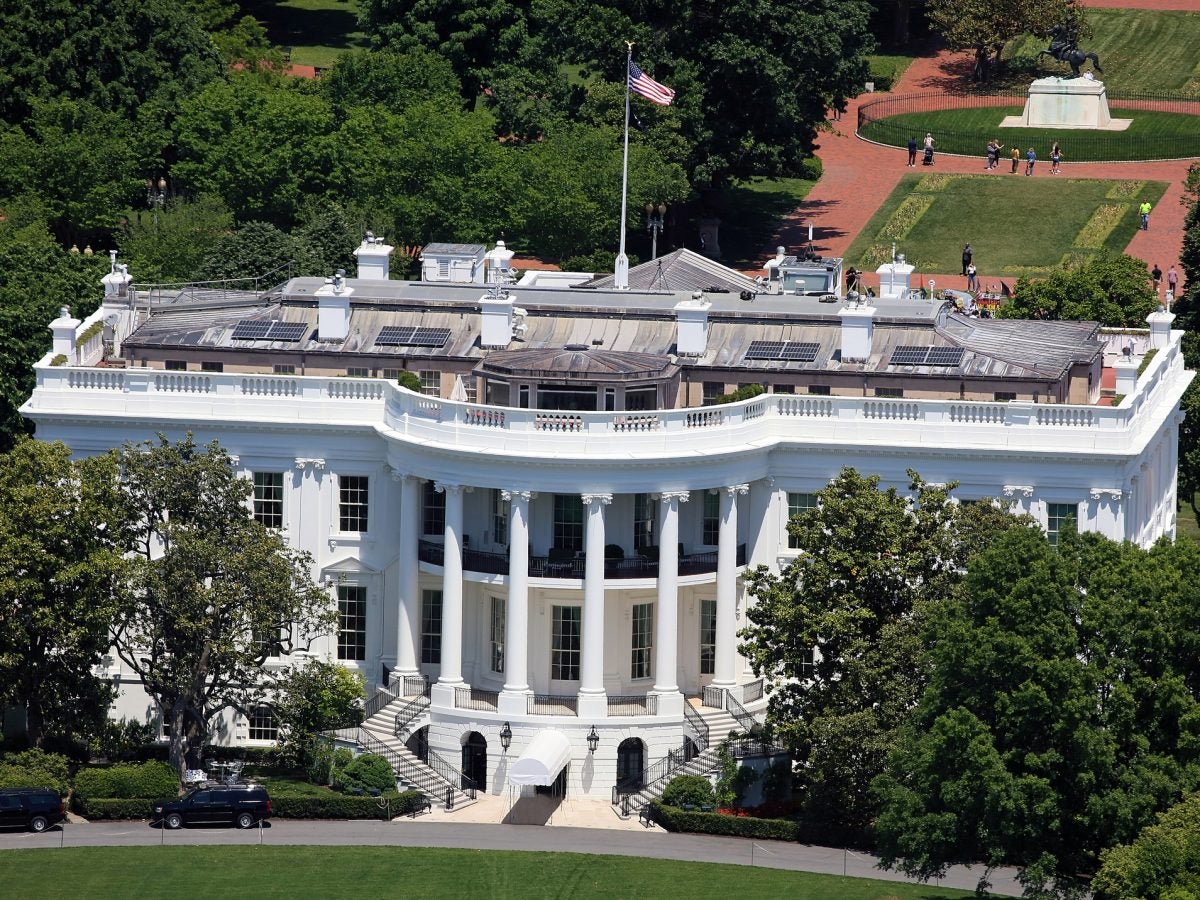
{"x":580,"y":378}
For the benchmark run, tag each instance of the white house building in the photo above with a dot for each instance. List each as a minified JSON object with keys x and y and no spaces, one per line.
{"x":552,"y":533}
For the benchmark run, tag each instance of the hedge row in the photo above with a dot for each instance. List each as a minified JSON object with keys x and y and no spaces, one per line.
{"x":674,"y":819}
{"x":94,"y":810}
{"x":341,"y":806}
{"x":144,"y":781}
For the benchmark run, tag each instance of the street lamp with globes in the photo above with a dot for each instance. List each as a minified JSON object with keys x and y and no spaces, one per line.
{"x":655,"y":216}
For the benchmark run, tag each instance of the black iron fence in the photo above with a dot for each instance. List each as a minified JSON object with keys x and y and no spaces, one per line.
{"x":893,"y":120}
{"x":474,"y":698}
{"x":633,"y":705}
{"x":552,"y":705}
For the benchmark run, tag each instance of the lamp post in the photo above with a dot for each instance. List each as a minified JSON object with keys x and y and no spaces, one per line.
{"x":655,"y":215}
{"x":506,"y":737}
{"x":593,"y":740}
{"x":156,"y":195}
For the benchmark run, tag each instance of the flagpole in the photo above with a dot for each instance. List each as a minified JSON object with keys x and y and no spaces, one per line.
{"x":621,"y":269}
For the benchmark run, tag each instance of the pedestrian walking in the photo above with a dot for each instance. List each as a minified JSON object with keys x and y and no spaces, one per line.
{"x":1016,"y":158}
{"x":1156,"y":276}
{"x":912,"y":151}
{"x":1172,"y":280}
{"x":1144,"y":211}
{"x":1030,"y":159}
{"x":1055,"y":158}
{"x":966,"y":258}
{"x":929,"y":142}
{"x":972,"y":282}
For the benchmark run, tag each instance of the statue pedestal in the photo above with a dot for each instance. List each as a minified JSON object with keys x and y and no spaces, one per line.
{"x":1066,"y":103}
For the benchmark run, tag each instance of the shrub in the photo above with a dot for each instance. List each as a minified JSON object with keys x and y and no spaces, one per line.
{"x":674,"y":819}
{"x":812,"y":168}
{"x":108,"y":808}
{"x":745,"y":392}
{"x":124,"y":740}
{"x":338,"y":760}
{"x":146,"y":781}
{"x":340,"y":806}
{"x":35,"y":768}
{"x":693,"y":790}
{"x":367,"y":771}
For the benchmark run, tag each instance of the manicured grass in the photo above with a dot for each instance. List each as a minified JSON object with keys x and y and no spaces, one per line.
{"x":294,"y":872}
{"x":751,"y":212}
{"x":889,"y":66}
{"x":1152,"y":134}
{"x":1140,"y":49}
{"x":1016,"y":225}
{"x":1186,"y":524}
{"x":316,"y":30}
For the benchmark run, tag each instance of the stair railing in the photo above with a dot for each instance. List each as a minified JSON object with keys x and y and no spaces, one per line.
{"x":378,"y":701}
{"x":694,"y":722}
{"x":408,"y":713}
{"x":744,"y":718}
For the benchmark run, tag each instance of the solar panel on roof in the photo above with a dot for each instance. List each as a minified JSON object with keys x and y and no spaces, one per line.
{"x":411,"y":336}
{"x":795,"y":351}
{"x":944,"y":356}
{"x":906,"y":355}
{"x":764,"y":349}
{"x":251,"y":330}
{"x":288,"y":331}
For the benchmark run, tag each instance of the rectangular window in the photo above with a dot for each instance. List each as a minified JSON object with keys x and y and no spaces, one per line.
{"x":568,"y":522}
{"x":498,"y":635}
{"x":268,"y":498}
{"x":431,"y":627}
{"x":643,"y":521}
{"x":798,"y":503}
{"x":889,"y":392}
{"x":267,"y":640}
{"x":352,"y":622}
{"x":808,"y":662}
{"x":357,"y":372}
{"x":352,"y":502}
{"x":642,"y":646}
{"x":283,"y":369}
{"x":712,"y":519}
{"x":499,"y":518}
{"x":433,"y":515}
{"x":212,"y":367}
{"x":785,"y":389}
{"x":1004,"y":396}
{"x":1057,"y":517}
{"x":175,"y":365}
{"x":263,"y":726}
{"x":472,"y":387}
{"x":819,"y":390}
{"x":712,"y":390}
{"x":391,"y":374}
{"x":564,"y":644}
{"x":431,"y":382}
{"x":708,"y":637}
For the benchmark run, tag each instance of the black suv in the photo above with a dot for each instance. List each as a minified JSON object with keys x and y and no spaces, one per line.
{"x":33,"y":808}
{"x":242,"y":805}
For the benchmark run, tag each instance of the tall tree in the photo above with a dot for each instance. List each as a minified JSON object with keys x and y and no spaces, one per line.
{"x":313,"y":698}
{"x":60,"y":563}
{"x":986,"y":26}
{"x":1079,"y":720}
{"x":838,"y":631}
{"x":210,"y":593}
{"x":1163,"y":863}
{"x":1114,"y":290}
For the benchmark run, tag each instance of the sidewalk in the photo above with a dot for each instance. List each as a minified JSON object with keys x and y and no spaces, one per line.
{"x":489,"y":809}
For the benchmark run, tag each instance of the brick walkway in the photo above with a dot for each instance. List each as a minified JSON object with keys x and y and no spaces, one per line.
{"x":859,"y":176}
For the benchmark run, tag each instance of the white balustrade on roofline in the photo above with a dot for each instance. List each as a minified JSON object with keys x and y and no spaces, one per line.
{"x":762,"y":420}
{"x":91,"y":351}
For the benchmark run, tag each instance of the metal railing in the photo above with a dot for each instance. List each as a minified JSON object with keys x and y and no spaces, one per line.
{"x":633,"y":705}
{"x":743,"y":747}
{"x":745,"y":720}
{"x":753,"y":692}
{"x":412,"y":685}
{"x":452,"y":776}
{"x":552,"y":705}
{"x":408,"y":713}
{"x":431,"y":778}
{"x":694,"y":722}
{"x":876,"y":123}
{"x":474,"y":698}
{"x":713,"y":697}
{"x":378,"y":701}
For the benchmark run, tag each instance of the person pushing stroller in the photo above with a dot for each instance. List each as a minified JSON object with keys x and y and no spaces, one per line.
{"x":929,"y":142}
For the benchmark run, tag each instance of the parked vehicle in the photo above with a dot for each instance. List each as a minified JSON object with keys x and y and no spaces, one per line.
{"x":33,"y":808}
{"x":243,"y":805}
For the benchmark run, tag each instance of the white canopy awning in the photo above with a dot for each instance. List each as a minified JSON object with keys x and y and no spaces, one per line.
{"x":542,"y":760}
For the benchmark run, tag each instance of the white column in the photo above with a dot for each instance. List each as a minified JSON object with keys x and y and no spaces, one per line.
{"x":726,"y":649}
{"x":666,"y":634}
{"x":516,"y":613}
{"x":452,"y":586}
{"x":408,"y":612}
{"x":592,"y":700}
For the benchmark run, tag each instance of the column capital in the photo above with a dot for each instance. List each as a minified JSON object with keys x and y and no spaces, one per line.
{"x":593,"y":499}
{"x":305,"y":463}
{"x":397,"y":474}
{"x":1106,"y":493}
{"x":1018,"y":490}
{"x":679,"y":496}
{"x":444,"y":487}
{"x":735,"y":489}
{"x":509,"y":496}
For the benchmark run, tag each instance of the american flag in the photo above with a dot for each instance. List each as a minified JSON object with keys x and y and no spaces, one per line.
{"x":641,"y":83}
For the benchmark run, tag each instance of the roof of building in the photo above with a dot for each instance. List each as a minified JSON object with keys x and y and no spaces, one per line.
{"x":454,"y":249}
{"x":681,"y":270}
{"x":580,"y":362}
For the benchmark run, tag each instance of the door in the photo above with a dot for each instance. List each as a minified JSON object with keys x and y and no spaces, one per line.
{"x":12,"y":812}
{"x":631,"y":765}
{"x":474,"y":760}
{"x":200,"y":807}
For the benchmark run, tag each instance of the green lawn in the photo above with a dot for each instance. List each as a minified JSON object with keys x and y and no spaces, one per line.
{"x":1186,"y":524}
{"x":1152,"y":135}
{"x":752,"y":212}
{"x":1016,"y":225}
{"x":1140,"y":50}
{"x":316,"y":30}
{"x":293,"y":872}
{"x":886,"y":68}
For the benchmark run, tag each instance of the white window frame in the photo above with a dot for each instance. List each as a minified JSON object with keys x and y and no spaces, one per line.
{"x":798,"y":502}
{"x":497,"y":621}
{"x":254,"y":722}
{"x":344,"y":647}
{"x":641,"y":641}
{"x":257,"y":500}
{"x":343,"y":516}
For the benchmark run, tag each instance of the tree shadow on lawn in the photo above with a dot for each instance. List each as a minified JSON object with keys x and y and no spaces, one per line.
{"x":754,"y":222}
{"x":291,"y":26}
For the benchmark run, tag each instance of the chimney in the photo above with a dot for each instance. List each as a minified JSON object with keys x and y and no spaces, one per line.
{"x":497,"y":308}
{"x":333,"y":308}
{"x":372,"y":255}
{"x":116,"y":282}
{"x":894,"y":278}
{"x":691,"y":334}
{"x":858,"y":331}
{"x":499,"y":264}
{"x":64,"y":329}
{"x":1160,"y":328}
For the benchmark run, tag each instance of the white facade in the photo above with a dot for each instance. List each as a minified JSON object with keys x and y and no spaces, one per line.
{"x":413,"y":504}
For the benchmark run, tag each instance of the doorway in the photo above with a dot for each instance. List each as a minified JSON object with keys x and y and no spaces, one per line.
{"x":474,"y":760}
{"x":558,"y":789}
{"x":631,"y":766}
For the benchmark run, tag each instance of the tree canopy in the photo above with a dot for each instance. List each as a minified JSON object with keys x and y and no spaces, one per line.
{"x":1113,"y":290}
{"x":986,"y":26}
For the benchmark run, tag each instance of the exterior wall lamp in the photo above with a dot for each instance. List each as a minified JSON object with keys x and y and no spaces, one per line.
{"x":593,"y":740}
{"x":505,"y":737}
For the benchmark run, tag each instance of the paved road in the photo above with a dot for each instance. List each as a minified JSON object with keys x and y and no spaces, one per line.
{"x":417,"y":833}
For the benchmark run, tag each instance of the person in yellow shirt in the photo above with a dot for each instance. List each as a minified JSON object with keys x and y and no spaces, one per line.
{"x":1016,"y":158}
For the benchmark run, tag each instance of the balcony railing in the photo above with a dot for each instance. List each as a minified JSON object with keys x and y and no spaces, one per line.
{"x":573,"y":567}
{"x":552,"y":705}
{"x":633,"y":705}
{"x":474,"y":698}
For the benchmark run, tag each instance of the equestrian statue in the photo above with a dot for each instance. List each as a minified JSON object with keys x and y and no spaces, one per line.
{"x":1064,"y":41}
